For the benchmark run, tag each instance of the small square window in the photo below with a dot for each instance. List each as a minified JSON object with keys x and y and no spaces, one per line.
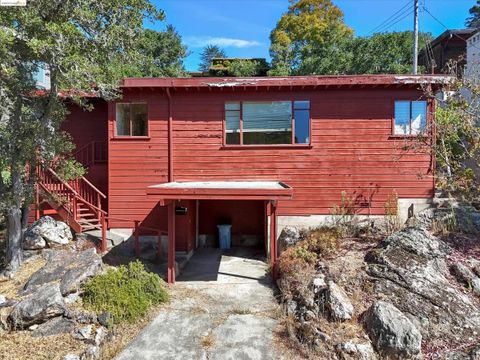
{"x":410,"y":117}
{"x":131,"y":119}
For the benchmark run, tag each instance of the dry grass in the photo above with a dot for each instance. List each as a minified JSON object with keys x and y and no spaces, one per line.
{"x":11,"y":287}
{"x":207,"y":341}
{"x":20,"y":345}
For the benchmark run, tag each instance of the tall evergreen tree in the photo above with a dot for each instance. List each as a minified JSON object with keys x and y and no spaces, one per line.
{"x":209,"y":53}
{"x":473,"y":21}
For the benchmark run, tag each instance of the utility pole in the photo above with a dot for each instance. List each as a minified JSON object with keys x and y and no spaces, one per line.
{"x":415,"y":36}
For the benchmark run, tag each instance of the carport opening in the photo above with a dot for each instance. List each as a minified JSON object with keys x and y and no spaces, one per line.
{"x":246,"y":217}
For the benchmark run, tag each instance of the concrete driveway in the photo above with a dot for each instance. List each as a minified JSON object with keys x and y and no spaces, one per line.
{"x":222,"y":307}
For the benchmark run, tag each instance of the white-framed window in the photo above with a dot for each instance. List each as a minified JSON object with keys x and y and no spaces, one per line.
{"x":267,"y":122}
{"x":410,"y":117}
{"x":131,"y":119}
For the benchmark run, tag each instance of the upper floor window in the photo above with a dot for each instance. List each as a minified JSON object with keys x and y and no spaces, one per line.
{"x":267,"y":122}
{"x":131,"y":119}
{"x":410,"y":117}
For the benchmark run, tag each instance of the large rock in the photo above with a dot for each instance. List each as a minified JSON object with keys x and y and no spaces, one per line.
{"x":45,"y":303}
{"x":338,"y":303}
{"x":289,"y":236}
{"x":351,"y":350}
{"x":55,"y":326}
{"x":69,"y":269}
{"x":391,"y":332}
{"x":451,"y":216}
{"x":467,"y":277}
{"x":410,"y":268}
{"x":47,"y":229}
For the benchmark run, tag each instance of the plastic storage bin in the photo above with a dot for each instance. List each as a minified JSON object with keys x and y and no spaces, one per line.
{"x":225,"y":236}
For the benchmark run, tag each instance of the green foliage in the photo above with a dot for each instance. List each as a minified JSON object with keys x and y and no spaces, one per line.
{"x":79,"y":42}
{"x":69,"y":169}
{"x":309,"y":38}
{"x":126,"y":292}
{"x":160,"y":54}
{"x":209,"y":53}
{"x":383,"y":53}
{"x":243,"y":68}
{"x":473,"y":21}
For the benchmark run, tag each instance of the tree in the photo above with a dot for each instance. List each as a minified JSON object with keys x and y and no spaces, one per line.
{"x":209,"y":53}
{"x":242,"y":67}
{"x":76,"y":40}
{"x":160,"y":54}
{"x":383,"y":53}
{"x":473,"y":21}
{"x":309,"y":39}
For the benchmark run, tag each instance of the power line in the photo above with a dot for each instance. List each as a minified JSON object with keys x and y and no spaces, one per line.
{"x":392,"y":17}
{"x":388,"y":26}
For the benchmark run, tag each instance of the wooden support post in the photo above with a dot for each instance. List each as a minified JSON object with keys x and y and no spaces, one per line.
{"x":171,"y":243}
{"x":104,"y":233}
{"x":37,"y":202}
{"x":75,"y":208}
{"x":159,"y":246}
{"x":136,"y":239}
{"x":273,"y":239}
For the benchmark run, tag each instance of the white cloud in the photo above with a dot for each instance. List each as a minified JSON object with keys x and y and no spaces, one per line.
{"x":201,"y":41}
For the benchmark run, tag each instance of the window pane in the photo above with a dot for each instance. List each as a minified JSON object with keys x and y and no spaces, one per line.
{"x":267,"y":122}
{"x":232,"y":127}
{"x":298,"y":105}
{"x":122,"y":119}
{"x":419,"y":116}
{"x":139,"y":119}
{"x":232,"y":138}
{"x":302,"y":126}
{"x":232,"y":105}
{"x":232,"y":119}
{"x":402,"y":117}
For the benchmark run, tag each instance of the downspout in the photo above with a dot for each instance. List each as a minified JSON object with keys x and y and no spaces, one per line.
{"x":170,"y":136}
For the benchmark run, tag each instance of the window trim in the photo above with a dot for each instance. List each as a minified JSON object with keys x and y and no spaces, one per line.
{"x":131,"y":137}
{"x":267,"y":146}
{"x":427,"y":118}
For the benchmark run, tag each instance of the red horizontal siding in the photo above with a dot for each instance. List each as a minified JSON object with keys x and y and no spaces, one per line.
{"x":352,"y":150}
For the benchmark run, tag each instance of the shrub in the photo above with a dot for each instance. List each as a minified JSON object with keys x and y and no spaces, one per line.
{"x":126,"y":292}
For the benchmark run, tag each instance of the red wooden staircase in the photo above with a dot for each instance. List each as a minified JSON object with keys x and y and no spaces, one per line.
{"x":77,"y":202}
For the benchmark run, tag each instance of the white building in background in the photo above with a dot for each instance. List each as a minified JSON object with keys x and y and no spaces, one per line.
{"x":472,"y":68}
{"x":42,"y":77}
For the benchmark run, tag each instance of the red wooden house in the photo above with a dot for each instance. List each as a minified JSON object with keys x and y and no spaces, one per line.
{"x":182,"y":155}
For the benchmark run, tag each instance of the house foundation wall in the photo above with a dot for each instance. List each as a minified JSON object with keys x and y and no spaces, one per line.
{"x":406,"y":207}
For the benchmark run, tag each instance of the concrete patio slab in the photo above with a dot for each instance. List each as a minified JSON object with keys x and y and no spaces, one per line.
{"x":223,"y":307}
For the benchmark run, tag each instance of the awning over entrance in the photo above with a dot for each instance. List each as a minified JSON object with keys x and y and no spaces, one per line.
{"x":222,"y":190}
{"x":268,"y":191}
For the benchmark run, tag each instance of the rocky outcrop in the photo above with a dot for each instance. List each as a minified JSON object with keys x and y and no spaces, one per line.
{"x":450,"y":216}
{"x":69,"y":269}
{"x":351,"y":350}
{"x":392,"y":333}
{"x":46,"y":230}
{"x":466,"y":277}
{"x":289,"y":236}
{"x":45,"y":303}
{"x":55,"y":326}
{"x":410,"y":268}
{"x":338,"y":303}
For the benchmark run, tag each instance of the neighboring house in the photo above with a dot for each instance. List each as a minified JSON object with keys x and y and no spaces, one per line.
{"x":183,"y":155}
{"x":448,"y":49}
{"x":472,"y":68}
{"x":42,"y":77}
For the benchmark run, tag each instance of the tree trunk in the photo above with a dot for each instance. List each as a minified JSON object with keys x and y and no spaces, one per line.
{"x":14,"y":256}
{"x":14,"y":241}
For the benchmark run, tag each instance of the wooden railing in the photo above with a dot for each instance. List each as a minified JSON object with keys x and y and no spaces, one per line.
{"x":69,"y":194}
{"x":136,"y":235}
{"x":92,"y":153}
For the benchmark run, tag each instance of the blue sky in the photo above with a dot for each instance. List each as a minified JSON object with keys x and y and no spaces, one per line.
{"x":242,"y":27}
